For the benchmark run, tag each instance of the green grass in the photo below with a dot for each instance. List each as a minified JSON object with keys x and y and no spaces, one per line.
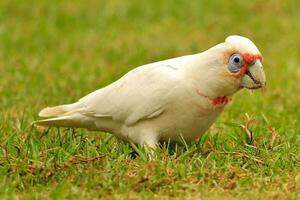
{"x":54,"y":52}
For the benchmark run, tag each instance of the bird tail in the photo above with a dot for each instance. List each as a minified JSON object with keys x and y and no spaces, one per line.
{"x":57,"y":110}
{"x":64,"y":121}
{"x":65,"y":116}
{"x":71,"y":120}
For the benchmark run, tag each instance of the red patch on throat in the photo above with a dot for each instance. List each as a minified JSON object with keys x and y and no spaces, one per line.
{"x":220,"y":100}
{"x":215,"y":101}
{"x":249,"y":59}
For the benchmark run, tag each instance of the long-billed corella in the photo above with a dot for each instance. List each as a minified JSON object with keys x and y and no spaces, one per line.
{"x":167,"y":100}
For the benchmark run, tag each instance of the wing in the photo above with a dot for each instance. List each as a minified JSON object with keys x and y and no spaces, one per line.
{"x":140,"y":94}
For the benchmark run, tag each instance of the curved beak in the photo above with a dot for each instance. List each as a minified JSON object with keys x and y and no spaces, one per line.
{"x":254,"y":77}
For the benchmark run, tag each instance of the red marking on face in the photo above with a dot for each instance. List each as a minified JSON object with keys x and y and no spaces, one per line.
{"x":249,"y":59}
{"x":215,"y":101}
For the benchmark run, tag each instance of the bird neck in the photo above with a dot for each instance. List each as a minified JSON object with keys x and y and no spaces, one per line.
{"x":206,"y":76}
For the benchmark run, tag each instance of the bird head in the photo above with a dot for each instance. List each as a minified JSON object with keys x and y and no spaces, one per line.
{"x":230,"y":66}
{"x":244,"y":62}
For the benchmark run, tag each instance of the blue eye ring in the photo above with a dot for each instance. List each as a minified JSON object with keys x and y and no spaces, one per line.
{"x":235,"y":63}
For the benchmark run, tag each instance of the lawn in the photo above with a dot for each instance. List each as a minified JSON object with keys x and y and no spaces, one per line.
{"x":54,"y":52}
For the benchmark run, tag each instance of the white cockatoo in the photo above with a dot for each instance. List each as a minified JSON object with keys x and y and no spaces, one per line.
{"x":167,"y":100}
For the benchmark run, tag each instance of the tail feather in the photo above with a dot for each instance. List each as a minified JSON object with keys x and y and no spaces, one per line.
{"x":52,"y":111}
{"x":75,"y":120}
{"x":56,"y":121}
{"x":57,"y":110}
{"x":64,"y":116}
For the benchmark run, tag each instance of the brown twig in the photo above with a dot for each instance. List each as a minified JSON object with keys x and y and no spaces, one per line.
{"x":246,"y":127}
{"x":273,"y":132}
{"x":209,"y":144}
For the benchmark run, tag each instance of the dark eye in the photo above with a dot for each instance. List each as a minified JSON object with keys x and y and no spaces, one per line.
{"x":236,"y":59}
{"x":235,"y":63}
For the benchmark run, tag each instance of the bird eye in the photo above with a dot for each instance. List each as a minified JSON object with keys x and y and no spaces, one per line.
{"x":235,"y":63}
{"x":236,"y":59}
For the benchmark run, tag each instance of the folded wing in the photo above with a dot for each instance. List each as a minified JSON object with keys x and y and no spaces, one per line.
{"x":140,"y":94}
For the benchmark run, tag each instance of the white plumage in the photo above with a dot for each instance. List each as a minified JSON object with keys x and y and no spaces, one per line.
{"x":170,"y":99}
